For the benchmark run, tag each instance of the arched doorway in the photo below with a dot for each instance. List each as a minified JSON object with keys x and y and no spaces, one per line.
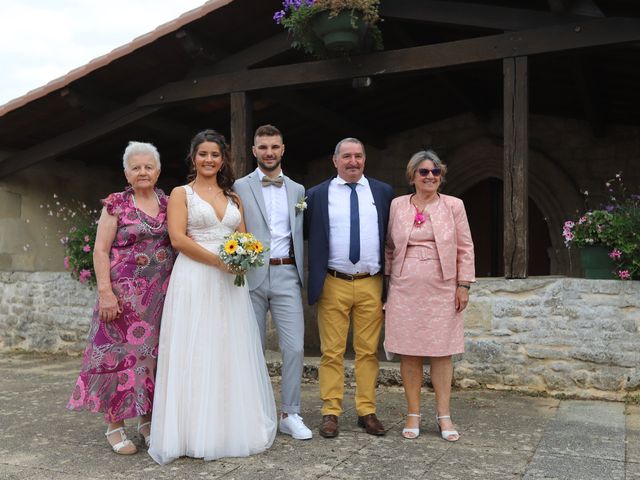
{"x":484,"y":206}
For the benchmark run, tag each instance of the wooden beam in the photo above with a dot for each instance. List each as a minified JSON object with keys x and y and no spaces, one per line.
{"x":98,"y":105}
{"x":586,"y":7}
{"x":256,"y":53}
{"x":336,"y":122}
{"x":241,"y":133}
{"x":516,"y":154}
{"x":474,"y":15}
{"x":598,"y":32}
{"x":74,"y":138}
{"x":194,"y":47}
{"x":559,"y":6}
{"x":576,"y":7}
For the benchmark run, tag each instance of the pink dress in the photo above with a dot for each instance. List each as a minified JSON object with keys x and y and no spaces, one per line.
{"x":420,"y":314}
{"x":118,"y":370}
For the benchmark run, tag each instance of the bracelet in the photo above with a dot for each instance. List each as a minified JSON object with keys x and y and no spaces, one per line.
{"x":468,"y":287}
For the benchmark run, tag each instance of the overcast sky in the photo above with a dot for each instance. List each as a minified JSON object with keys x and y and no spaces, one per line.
{"x":41,"y":40}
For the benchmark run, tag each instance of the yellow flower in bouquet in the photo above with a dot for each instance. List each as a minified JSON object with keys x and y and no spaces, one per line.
{"x":240,"y":252}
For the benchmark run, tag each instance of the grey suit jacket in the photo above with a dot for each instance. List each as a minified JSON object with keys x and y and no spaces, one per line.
{"x":249,"y":189}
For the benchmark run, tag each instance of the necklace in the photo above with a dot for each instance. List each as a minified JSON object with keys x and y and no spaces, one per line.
{"x":208,"y":187}
{"x":149,"y":227}
{"x":421,"y":216}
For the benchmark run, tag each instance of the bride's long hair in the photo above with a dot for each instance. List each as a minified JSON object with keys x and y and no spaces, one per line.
{"x":225,"y":176}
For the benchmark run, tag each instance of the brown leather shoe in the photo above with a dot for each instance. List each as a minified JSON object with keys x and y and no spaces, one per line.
{"x":329,"y":426}
{"x":371,"y":424}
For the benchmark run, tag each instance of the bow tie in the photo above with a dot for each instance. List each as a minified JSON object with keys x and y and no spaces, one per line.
{"x":277,"y":182}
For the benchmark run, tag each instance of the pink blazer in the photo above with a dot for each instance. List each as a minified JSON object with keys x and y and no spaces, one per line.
{"x":451,"y":229}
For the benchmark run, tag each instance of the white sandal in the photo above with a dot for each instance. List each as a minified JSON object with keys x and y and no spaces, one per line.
{"x":411,"y":433}
{"x":123,"y":444}
{"x":447,"y":433}
{"x":147,"y":439}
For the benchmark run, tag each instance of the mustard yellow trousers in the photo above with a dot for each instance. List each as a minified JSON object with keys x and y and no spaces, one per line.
{"x":343,"y":301}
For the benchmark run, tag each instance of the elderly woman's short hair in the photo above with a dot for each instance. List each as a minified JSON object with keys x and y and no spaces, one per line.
{"x":140,"y":148}
{"x":420,"y":157}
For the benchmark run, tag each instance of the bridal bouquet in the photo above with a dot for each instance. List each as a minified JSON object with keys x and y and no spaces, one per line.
{"x":240,"y":252}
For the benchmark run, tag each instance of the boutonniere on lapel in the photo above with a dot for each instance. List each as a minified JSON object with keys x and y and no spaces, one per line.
{"x":301,"y":206}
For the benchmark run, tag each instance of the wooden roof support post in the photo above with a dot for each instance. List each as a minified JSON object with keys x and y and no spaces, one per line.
{"x":516,"y":162}
{"x":241,"y":133}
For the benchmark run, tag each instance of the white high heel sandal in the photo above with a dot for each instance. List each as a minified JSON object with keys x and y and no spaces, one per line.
{"x":447,"y":433}
{"x":124,"y":446}
{"x":147,"y":439}
{"x":411,"y":433}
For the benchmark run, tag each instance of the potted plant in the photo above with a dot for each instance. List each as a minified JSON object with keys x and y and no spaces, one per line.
{"x":330,"y":28}
{"x":608,"y":237}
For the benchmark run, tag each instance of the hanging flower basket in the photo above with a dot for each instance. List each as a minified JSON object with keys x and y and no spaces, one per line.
{"x":331,"y":28}
{"x":343,"y":33}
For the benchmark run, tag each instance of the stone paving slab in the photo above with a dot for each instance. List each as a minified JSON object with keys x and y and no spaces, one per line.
{"x":504,"y":436}
{"x":587,"y":429}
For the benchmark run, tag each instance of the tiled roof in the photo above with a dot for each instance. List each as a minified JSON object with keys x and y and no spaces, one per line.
{"x":115,"y":54}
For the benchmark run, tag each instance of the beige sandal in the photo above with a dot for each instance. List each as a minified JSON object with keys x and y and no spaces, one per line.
{"x":147,"y":439}
{"x":124,"y":446}
{"x":411,"y":433}
{"x":447,"y":433}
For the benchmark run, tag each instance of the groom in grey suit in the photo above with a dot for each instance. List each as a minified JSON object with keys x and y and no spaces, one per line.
{"x":273,"y":211}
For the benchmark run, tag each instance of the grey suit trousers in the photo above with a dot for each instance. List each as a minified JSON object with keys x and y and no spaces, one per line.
{"x":280,"y":293}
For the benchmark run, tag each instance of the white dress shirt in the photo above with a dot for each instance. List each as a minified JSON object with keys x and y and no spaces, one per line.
{"x":275,"y":201}
{"x":340,"y":228}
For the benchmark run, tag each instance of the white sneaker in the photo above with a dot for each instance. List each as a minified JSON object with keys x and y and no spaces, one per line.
{"x":293,"y":425}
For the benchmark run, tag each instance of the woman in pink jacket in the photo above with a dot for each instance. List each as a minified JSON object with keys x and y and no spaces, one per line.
{"x":429,"y":263}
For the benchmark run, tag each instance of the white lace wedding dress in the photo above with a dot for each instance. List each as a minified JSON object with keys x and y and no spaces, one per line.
{"x":213,"y":396}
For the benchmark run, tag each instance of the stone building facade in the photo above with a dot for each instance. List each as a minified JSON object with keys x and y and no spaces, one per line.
{"x":553,"y":334}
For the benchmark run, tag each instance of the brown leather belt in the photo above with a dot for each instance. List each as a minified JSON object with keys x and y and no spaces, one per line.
{"x":282,"y":261}
{"x":347,"y":276}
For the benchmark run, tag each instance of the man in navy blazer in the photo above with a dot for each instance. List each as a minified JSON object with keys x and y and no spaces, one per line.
{"x":345,"y":223}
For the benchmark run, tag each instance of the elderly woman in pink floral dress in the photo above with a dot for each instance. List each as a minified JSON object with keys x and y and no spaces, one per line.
{"x":132,"y":259}
{"x":429,"y":262}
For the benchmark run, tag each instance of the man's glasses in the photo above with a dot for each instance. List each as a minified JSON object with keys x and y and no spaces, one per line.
{"x":425,"y":171}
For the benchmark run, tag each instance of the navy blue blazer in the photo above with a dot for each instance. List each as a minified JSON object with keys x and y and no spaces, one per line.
{"x":316,"y":230}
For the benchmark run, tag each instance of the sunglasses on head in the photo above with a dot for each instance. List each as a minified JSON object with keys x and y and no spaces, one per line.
{"x":425,"y":171}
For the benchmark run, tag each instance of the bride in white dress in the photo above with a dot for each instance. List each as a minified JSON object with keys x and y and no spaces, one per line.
{"x":213,"y":396}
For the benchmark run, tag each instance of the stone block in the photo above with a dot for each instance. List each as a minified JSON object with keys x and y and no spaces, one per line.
{"x":557,"y":382}
{"x":483,"y":351}
{"x":5,"y":262}
{"x":23,"y":262}
{"x":632,"y":380}
{"x":10,"y":204}
{"x":547,"y":353}
{"x":467,"y":383}
{"x":591,"y":355}
{"x":610,"y":379}
{"x":478,"y":315}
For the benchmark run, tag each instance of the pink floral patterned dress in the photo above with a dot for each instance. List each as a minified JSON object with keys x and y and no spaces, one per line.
{"x":117,"y":376}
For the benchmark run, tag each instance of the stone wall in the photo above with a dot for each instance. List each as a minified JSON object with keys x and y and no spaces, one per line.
{"x":553,"y":334}
{"x":547,"y":334}
{"x":44,"y":312}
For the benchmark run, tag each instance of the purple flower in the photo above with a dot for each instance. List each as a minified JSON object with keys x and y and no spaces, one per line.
{"x":86,"y":248}
{"x":65,"y":260}
{"x":609,"y":208}
{"x":278,"y":16}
